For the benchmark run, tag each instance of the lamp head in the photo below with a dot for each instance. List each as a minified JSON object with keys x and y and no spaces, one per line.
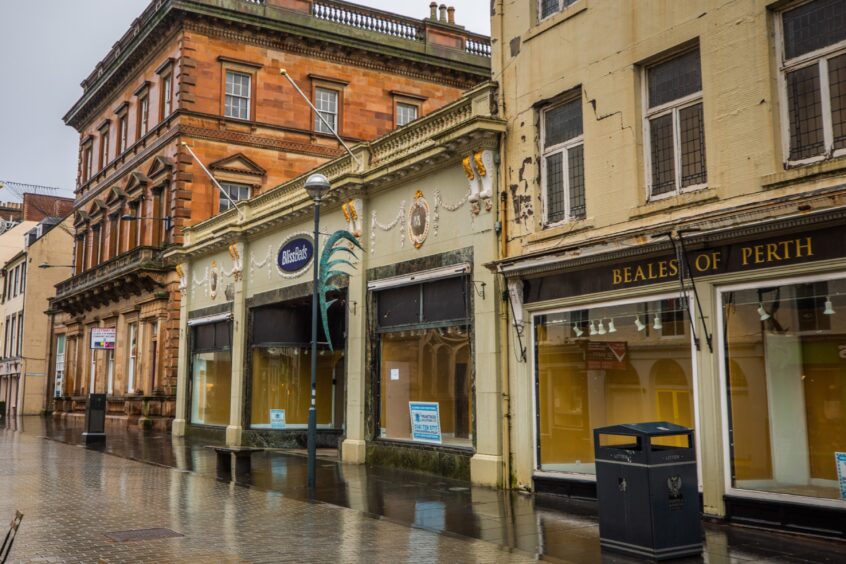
{"x":317,"y":185}
{"x":44,"y":265}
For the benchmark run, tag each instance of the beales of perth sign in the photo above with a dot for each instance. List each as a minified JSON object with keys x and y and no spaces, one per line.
{"x":738,"y":257}
{"x":295,"y":254}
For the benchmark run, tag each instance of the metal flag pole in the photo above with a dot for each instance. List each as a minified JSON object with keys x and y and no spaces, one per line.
{"x":214,"y":180}
{"x":284,"y":73}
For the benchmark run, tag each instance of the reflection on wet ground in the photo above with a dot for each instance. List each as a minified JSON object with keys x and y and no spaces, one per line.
{"x":549,"y":526}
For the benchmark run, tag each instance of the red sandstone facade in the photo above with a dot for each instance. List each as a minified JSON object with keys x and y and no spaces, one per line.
{"x":168,"y":83}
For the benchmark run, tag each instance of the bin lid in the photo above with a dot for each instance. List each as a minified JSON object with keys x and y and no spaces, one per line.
{"x":652,"y":429}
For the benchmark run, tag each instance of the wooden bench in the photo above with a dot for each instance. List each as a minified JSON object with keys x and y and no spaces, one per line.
{"x":6,"y":548}
{"x":243,"y":460}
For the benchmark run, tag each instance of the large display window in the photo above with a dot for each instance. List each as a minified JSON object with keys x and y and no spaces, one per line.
{"x":426,"y":362}
{"x":211,"y":374}
{"x":784,"y":363}
{"x":605,"y":365}
{"x":280,"y":368}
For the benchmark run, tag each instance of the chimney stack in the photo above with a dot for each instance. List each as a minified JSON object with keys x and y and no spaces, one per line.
{"x":451,"y":14}
{"x":442,"y":17}
{"x":433,"y":10}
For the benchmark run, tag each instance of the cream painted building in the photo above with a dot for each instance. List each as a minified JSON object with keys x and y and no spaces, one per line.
{"x":28,"y":282}
{"x":674,"y":175}
{"x":414,"y":325}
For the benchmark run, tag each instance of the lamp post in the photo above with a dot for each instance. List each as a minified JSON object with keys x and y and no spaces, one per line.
{"x":317,"y":185}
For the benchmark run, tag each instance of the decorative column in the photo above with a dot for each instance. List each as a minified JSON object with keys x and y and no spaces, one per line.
{"x":178,"y":430}
{"x":239,"y":342}
{"x":353,"y":448}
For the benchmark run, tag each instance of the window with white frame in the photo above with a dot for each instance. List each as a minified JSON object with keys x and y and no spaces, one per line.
{"x":814,"y":77}
{"x":406,"y":113}
{"x":60,"y":365}
{"x":563,"y":167}
{"x":675,"y":127}
{"x":237,"y":104}
{"x":547,"y":8}
{"x":167,"y":95}
{"x":236,"y":192}
{"x":326,"y":102}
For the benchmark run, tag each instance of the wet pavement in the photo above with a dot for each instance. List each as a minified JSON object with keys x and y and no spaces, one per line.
{"x":545,"y":527}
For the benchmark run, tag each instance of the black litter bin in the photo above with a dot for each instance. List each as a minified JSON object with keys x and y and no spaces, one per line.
{"x":95,"y":420}
{"x":647,"y":490}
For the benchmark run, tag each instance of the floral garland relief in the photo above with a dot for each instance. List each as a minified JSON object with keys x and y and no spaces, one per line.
{"x":478,"y":167}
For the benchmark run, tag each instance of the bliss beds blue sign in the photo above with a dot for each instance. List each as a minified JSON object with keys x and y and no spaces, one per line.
{"x":425,"y":421}
{"x":295,"y":254}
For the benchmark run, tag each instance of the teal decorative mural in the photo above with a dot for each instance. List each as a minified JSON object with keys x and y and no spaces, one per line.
{"x":329,"y":270}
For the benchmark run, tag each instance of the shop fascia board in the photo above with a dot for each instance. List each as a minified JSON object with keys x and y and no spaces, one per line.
{"x":709,"y":232}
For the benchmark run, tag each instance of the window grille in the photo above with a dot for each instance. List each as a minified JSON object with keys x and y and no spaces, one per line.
{"x":237,"y":103}
{"x":563,"y":168}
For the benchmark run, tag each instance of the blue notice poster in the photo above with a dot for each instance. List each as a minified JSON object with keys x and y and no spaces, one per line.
{"x":425,"y":421}
{"x":277,"y":418}
{"x":840,"y":459}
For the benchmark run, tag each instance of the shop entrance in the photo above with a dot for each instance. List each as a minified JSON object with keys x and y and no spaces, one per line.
{"x":280,"y":367}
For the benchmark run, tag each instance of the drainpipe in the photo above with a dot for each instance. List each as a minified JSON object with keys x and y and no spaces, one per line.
{"x":497,"y":31}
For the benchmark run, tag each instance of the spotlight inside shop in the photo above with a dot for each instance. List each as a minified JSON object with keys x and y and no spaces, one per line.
{"x":577,"y":331}
{"x":592,"y":331}
{"x":317,"y":186}
{"x":657,"y":325}
{"x":639,"y":324}
{"x":829,"y":308}
{"x":601,"y":330}
{"x":762,"y":313}
{"x":611,"y":327}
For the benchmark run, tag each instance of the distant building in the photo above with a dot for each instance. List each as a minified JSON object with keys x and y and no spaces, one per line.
{"x":25,"y":290}
{"x":206,"y":73}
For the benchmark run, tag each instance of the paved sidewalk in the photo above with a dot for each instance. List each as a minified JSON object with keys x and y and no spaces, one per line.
{"x":423,"y":506}
{"x":72,"y":497}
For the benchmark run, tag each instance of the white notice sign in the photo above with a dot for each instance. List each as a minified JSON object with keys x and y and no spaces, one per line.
{"x":277,"y":418}
{"x":394,"y":373}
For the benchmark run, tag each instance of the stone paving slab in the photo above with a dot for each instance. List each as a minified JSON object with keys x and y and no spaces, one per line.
{"x":71,"y":497}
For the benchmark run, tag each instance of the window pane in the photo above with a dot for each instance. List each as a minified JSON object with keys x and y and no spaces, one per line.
{"x":787,"y":387}
{"x":692,"y":132}
{"x":211,"y":388}
{"x":663,"y":161}
{"x":621,"y":374}
{"x":236,"y":192}
{"x":399,"y":306}
{"x":406,"y":113}
{"x":805,"y":108}
{"x":813,"y":26}
{"x":674,"y":79}
{"x":576,"y":171}
{"x":431,"y":365}
{"x":562,"y":123}
{"x":445,"y":299}
{"x":555,"y":188}
{"x":548,"y":7}
{"x":326,"y":102}
{"x":837,"y":81}
{"x":281,"y":379}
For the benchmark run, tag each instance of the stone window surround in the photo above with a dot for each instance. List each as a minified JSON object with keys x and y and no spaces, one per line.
{"x":336,"y":85}
{"x":409,"y":99}
{"x":244,"y":67}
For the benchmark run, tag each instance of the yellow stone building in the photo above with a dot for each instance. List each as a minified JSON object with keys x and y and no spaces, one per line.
{"x":674,"y":175}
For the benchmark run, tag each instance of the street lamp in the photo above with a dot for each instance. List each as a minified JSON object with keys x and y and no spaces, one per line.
{"x":168,"y":220}
{"x":317,"y":185}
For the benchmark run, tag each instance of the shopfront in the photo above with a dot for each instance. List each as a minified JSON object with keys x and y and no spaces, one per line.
{"x":739,"y":334}
{"x":407,"y":360}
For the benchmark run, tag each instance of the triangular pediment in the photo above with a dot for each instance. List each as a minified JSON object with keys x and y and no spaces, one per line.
{"x":238,"y":164}
{"x":160,"y":166}
{"x":96,"y":207}
{"x":136,"y":180}
{"x":114,"y":195}
{"x":81,"y":217}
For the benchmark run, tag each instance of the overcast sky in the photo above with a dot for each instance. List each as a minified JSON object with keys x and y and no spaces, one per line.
{"x":48,"y":46}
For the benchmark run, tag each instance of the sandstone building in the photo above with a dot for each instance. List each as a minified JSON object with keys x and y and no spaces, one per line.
{"x":205,"y":75}
{"x":674,"y":176}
